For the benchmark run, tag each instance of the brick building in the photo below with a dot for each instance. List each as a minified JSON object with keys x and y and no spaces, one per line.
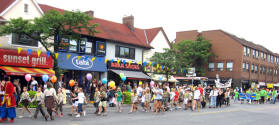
{"x":243,"y":61}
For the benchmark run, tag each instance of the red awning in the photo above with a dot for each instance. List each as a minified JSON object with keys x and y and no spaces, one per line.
{"x":21,"y":71}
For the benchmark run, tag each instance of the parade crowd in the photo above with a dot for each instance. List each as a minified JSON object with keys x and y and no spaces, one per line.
{"x":151,"y":96}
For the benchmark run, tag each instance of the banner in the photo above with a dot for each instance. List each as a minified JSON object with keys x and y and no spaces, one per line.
{"x":242,"y":96}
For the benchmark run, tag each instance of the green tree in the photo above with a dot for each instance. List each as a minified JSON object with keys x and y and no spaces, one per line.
{"x":193,"y":54}
{"x":53,"y":26}
{"x":166,"y":59}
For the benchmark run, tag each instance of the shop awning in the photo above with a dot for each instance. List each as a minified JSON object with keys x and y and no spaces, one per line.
{"x":21,"y":71}
{"x":155,"y":77}
{"x":132,"y":74}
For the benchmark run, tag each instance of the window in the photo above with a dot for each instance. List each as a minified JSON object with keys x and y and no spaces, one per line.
{"x":229,"y":66}
{"x":252,"y":68}
{"x":247,"y":67}
{"x":254,"y":53}
{"x":264,"y":57}
{"x":268,"y":58}
{"x":270,"y":71}
{"x":100,"y":48}
{"x":276,"y":72}
{"x":257,"y":54}
{"x":256,"y":68}
{"x":23,"y":40}
{"x":267,"y":71}
{"x":261,"y":69}
{"x":248,"y":51}
{"x":243,"y":67}
{"x":271,"y":59}
{"x":73,"y":46}
{"x":89,"y":47}
{"x":220,"y":66}
{"x":26,"y":8}
{"x":82,"y":45}
{"x":211,"y":67}
{"x":125,"y":52}
{"x":245,"y":50}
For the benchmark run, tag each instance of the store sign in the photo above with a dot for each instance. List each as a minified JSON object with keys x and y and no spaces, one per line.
{"x":100,"y":48}
{"x":121,"y":66}
{"x":84,"y":63}
{"x":11,"y":57}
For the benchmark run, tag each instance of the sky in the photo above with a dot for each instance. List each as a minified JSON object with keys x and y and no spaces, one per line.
{"x":253,"y":20}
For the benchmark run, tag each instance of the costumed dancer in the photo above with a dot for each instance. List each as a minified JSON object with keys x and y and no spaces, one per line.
{"x":8,"y":102}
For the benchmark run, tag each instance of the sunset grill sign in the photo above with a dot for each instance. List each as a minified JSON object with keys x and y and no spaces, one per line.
{"x":12,"y":58}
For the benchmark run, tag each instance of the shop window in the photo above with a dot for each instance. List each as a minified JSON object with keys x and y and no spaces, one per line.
{"x":89,"y":47}
{"x":82,"y":45}
{"x":23,"y":40}
{"x":244,"y":67}
{"x":211,"y":67}
{"x":220,"y":66}
{"x":252,"y":68}
{"x":229,"y":66}
{"x":247,"y":67}
{"x":73,"y":46}
{"x":125,"y":52}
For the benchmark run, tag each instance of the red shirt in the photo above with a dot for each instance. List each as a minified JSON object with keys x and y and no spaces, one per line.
{"x":176,"y":96}
{"x":201,"y":90}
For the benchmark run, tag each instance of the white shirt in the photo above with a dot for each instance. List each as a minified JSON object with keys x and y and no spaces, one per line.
{"x":81,"y":97}
{"x":34,"y":82}
{"x":213,"y":93}
{"x":143,"y":98}
{"x":197,"y":94}
{"x":139,"y":90}
{"x":172,"y":94}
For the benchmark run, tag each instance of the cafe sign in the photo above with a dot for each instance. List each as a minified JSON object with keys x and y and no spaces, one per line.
{"x":82,"y":63}
{"x":126,"y":66}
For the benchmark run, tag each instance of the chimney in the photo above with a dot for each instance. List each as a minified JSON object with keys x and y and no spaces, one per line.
{"x":129,"y":22}
{"x":90,"y":13}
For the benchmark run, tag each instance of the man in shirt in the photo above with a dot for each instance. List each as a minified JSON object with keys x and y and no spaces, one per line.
{"x":262,"y":94}
{"x":34,"y":84}
{"x":213,"y":96}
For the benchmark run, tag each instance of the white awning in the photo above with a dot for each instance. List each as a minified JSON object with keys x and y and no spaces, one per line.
{"x":131,"y":74}
{"x":155,"y":77}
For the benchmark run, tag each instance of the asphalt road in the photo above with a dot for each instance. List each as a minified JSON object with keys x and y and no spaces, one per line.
{"x":236,"y":114}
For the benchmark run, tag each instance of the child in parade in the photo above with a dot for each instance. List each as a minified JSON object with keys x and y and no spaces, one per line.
{"x":50,"y":98}
{"x":142,"y":100}
{"x":186,"y":99}
{"x":97,"y":99}
{"x":74,"y":100}
{"x":59,"y":105}
{"x":172,"y":99}
{"x":81,"y":100}
{"x":135,"y":101}
{"x":257,"y":96}
{"x":180,"y":98}
{"x":103,"y":101}
{"x":196,"y":99}
{"x":8,"y":102}
{"x":158,"y":99}
{"x":236,"y":95}
{"x":147,"y":99}
{"x":166,"y":97}
{"x":25,"y":100}
{"x":39,"y":98}
{"x":119,"y":100}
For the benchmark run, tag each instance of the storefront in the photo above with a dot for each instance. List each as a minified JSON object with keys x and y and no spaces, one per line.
{"x":17,"y":65}
{"x":76,"y":66}
{"x":133,"y":72}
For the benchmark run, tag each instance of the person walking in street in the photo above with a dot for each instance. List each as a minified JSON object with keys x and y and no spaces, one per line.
{"x":158,"y":99}
{"x":119,"y":100}
{"x":25,"y":100}
{"x":50,"y":98}
{"x":196,"y":100}
{"x":147,"y":100}
{"x":8,"y":102}
{"x":74,"y":99}
{"x":81,"y":100}
{"x":236,"y":96}
{"x":103,"y":101}
{"x":213,"y":97}
{"x":34,"y":84}
{"x":59,"y":105}
{"x":274,"y":96}
{"x":262,"y":94}
{"x":39,"y":98}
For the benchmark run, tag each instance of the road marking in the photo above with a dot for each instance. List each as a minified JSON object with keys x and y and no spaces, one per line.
{"x":235,"y":110}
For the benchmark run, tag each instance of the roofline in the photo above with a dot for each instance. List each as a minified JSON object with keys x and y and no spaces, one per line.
{"x":15,"y":2}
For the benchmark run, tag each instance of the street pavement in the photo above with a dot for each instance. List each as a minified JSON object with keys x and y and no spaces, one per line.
{"x":236,"y":114}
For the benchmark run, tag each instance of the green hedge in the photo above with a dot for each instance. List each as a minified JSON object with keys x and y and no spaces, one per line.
{"x":31,"y":105}
{"x":127,"y":97}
